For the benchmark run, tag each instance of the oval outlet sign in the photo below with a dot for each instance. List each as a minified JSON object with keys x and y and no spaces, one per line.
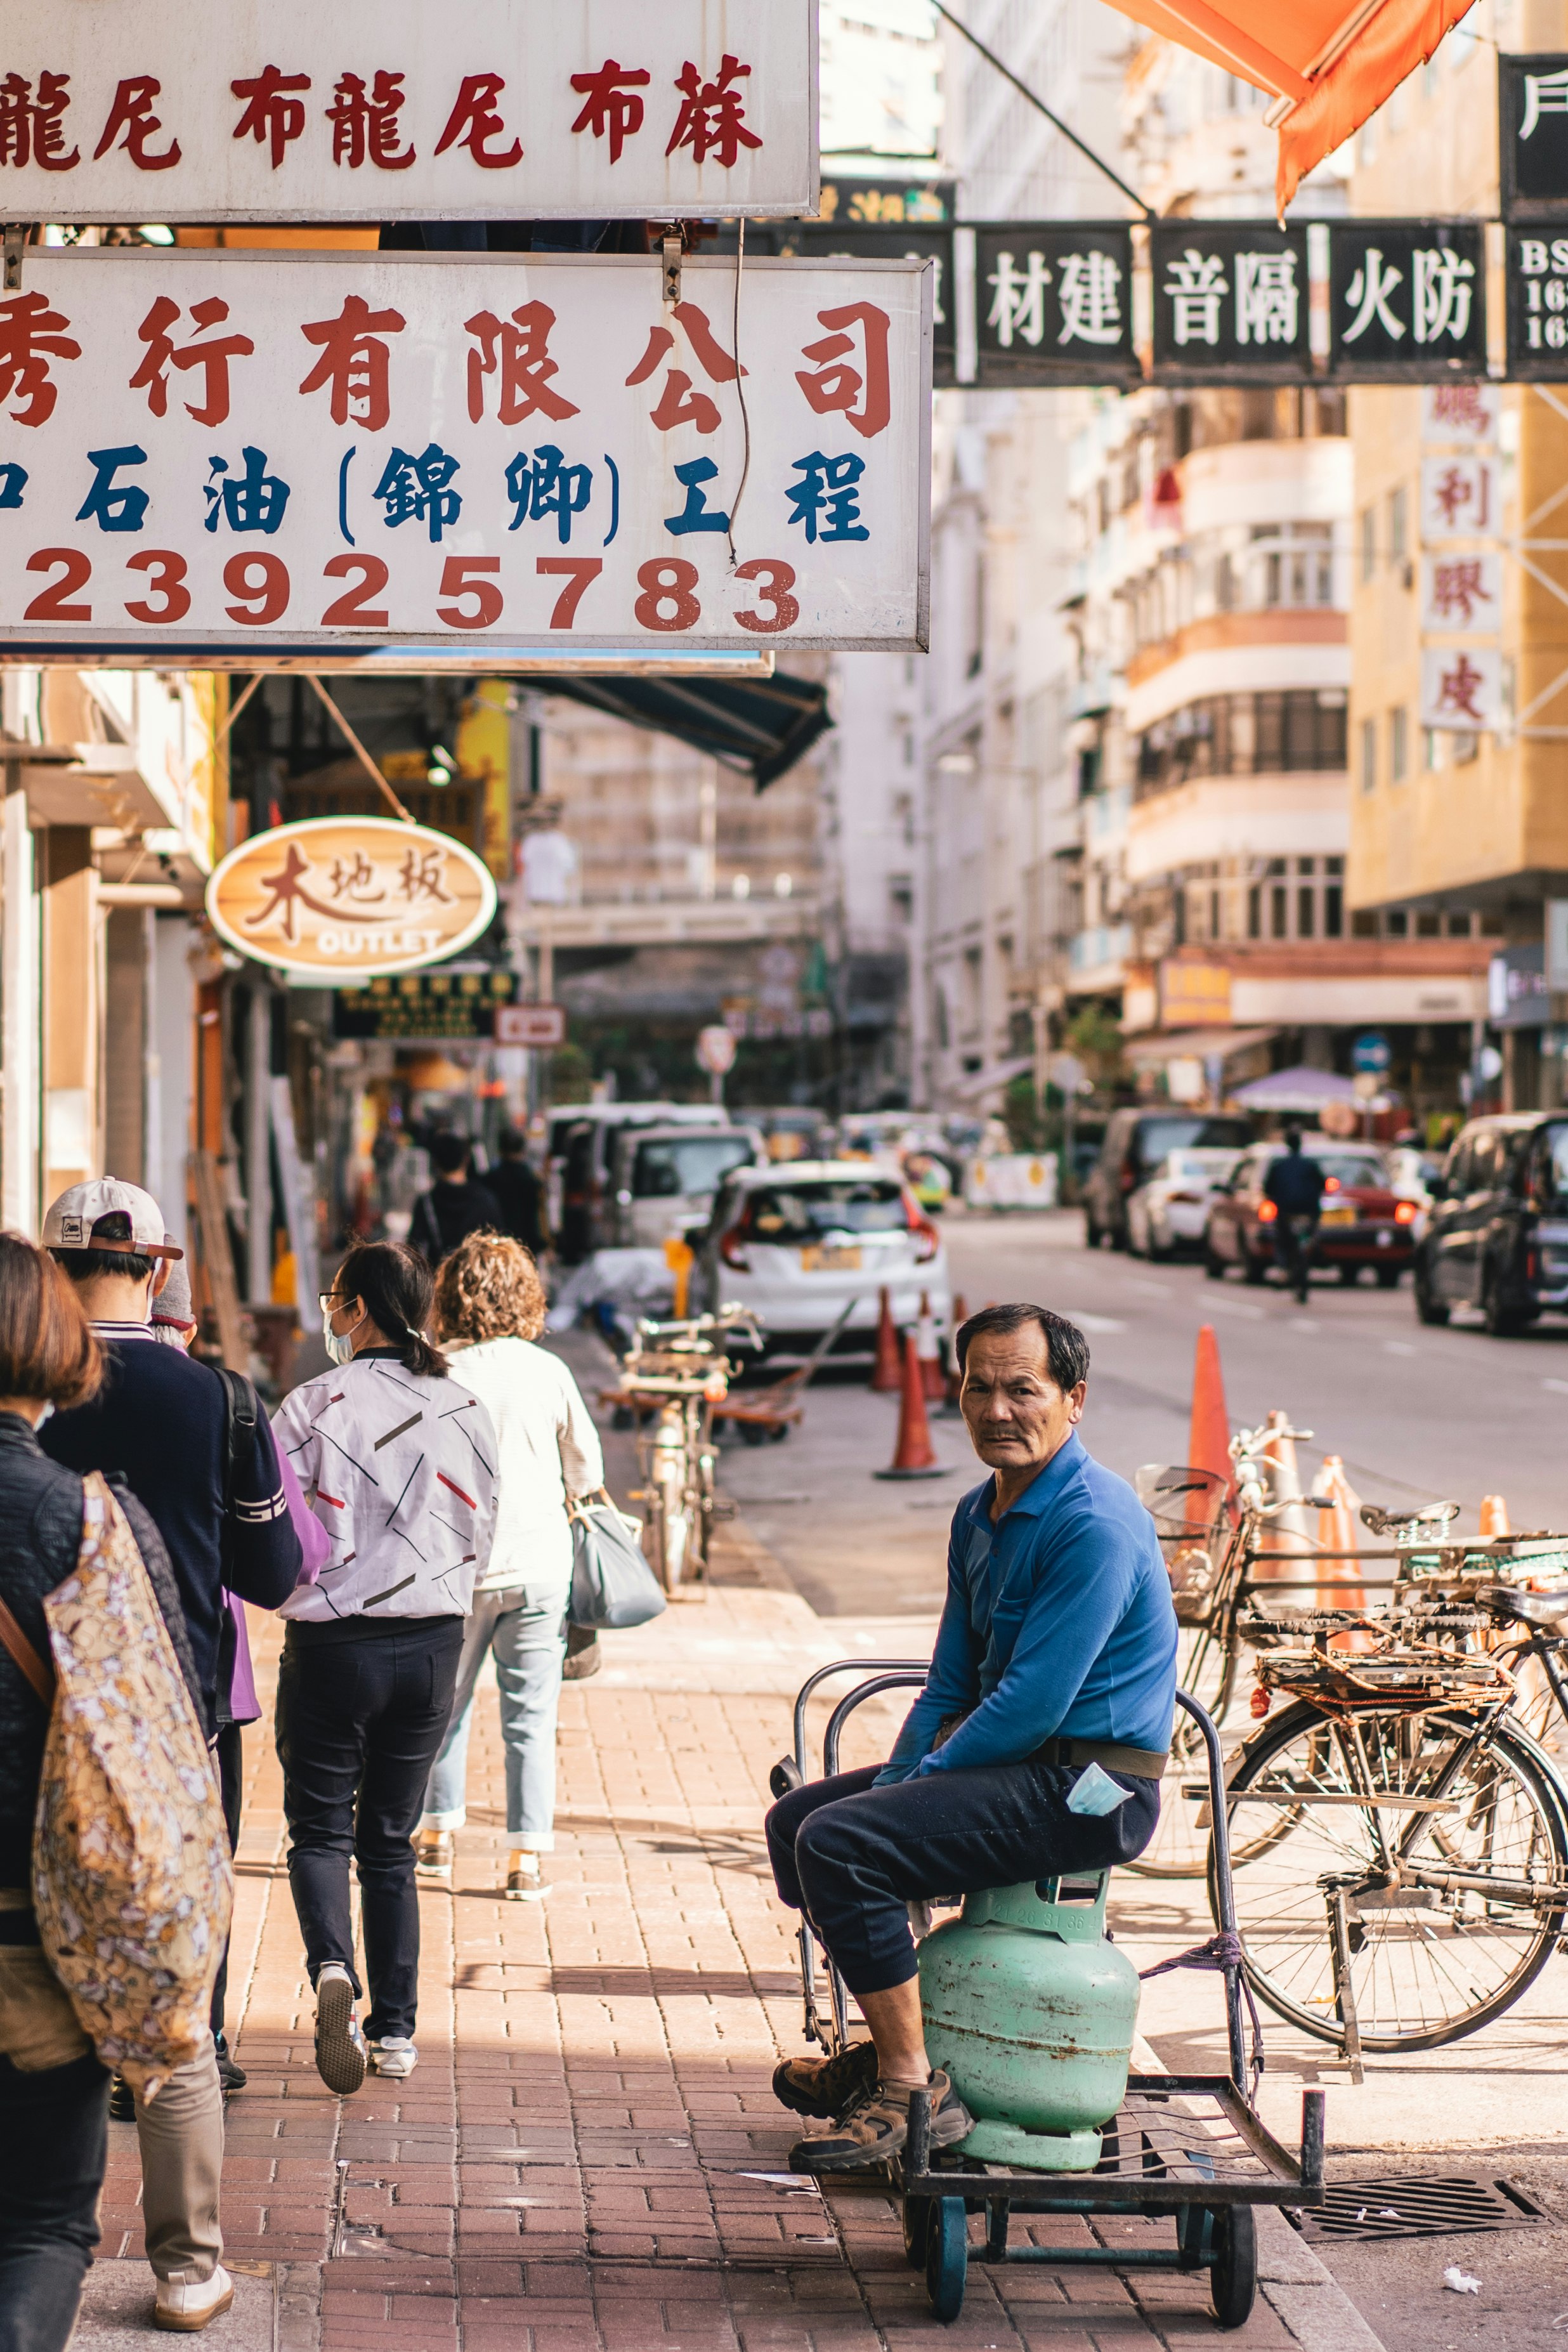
{"x":350,"y":897}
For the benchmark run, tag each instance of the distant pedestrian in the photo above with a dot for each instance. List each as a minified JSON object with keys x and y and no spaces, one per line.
{"x":398,"y":1463}
{"x":1294,"y":1183}
{"x":517,"y":1188}
{"x":54,"y":2093}
{"x":456,"y":1202}
{"x":491,"y":1307}
{"x":165,"y":1424}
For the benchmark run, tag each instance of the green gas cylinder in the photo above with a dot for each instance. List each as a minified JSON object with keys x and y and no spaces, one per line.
{"x":1031,"y":2010}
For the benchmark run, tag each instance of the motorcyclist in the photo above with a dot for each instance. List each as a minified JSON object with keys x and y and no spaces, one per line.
{"x":1295,"y":1184}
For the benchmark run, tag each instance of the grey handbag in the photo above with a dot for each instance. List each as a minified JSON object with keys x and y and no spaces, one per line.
{"x":612,"y":1584}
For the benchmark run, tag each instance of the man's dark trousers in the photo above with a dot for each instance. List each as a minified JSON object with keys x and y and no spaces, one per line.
{"x":852,"y":1856}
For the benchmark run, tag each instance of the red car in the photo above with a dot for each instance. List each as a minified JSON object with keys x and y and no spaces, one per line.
{"x":1361,"y":1221}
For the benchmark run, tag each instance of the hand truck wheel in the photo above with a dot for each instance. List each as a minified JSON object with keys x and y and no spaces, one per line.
{"x":947,"y":2256}
{"x":1233,"y":2276}
{"x":916,"y":2216}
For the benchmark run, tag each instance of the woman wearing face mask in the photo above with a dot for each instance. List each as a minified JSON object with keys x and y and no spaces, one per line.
{"x":398,"y":1464}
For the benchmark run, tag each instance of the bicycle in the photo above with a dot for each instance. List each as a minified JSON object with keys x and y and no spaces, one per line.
{"x":1409,"y":1877}
{"x":679,"y":1370}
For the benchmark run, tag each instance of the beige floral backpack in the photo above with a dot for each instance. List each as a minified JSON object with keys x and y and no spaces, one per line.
{"x":132,"y":1879}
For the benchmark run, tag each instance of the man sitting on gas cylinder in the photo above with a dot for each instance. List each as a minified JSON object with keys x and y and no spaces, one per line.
{"x":1035,"y":1750}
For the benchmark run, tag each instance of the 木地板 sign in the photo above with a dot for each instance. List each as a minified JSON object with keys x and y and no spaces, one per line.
{"x":1407,"y":300}
{"x":1054,"y":304}
{"x":1230,"y":299}
{"x":358,"y":450}
{"x":395,"y":110}
{"x":347,"y":897}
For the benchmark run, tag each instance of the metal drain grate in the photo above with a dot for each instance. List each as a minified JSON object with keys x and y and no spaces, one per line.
{"x":1416,"y":2205}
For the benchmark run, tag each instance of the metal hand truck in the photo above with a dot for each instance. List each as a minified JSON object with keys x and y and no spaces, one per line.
{"x":1191,"y":2149}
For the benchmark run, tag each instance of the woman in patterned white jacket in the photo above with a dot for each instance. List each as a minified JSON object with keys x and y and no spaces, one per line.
{"x":398,"y":1463}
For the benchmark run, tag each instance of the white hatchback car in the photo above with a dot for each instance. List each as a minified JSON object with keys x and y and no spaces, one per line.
{"x":796,"y":1244}
{"x":1168,"y":1211}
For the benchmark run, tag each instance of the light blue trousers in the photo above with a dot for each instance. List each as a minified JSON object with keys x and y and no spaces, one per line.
{"x":529,"y":1647}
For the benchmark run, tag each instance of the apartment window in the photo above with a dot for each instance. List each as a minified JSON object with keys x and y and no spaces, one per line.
{"x":1333,"y":910}
{"x":1431,"y":750}
{"x":1364,"y":924}
{"x":1306,"y":911}
{"x":1278,"y":912}
{"x":1215,"y":925}
{"x":1458,"y":926}
{"x":1398,"y":523}
{"x":1396,"y":924}
{"x":1369,"y":542}
{"x":1428,"y":926}
{"x":1255,"y":912}
{"x":1398,"y":744}
{"x":1369,"y":755}
{"x":1465,"y":749}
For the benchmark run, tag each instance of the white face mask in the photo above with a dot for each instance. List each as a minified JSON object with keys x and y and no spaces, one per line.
{"x":339,"y":1344}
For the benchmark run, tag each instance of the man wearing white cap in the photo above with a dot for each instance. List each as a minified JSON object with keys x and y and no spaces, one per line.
{"x":162,"y":1422}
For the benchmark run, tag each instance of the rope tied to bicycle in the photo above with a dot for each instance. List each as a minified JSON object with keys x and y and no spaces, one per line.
{"x":1221,"y":1954}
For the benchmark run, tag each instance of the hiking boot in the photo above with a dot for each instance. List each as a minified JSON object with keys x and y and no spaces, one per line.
{"x":340,"y":2042}
{"x":826,"y":2088}
{"x":877,"y":2127}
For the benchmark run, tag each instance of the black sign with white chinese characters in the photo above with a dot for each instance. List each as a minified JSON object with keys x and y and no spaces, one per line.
{"x":1537,"y":282}
{"x":424,"y":1007}
{"x":1054,"y":305}
{"x":887,"y":203}
{"x":1532,"y":137}
{"x":1230,"y":302}
{"x":1408,"y":300}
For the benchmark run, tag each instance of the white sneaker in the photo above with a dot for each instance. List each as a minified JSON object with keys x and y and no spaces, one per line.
{"x":394,"y":2056}
{"x":339,"y":2043}
{"x":188,"y":2304}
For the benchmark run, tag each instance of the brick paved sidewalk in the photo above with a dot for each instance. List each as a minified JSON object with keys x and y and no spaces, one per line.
{"x":586,"y":2159}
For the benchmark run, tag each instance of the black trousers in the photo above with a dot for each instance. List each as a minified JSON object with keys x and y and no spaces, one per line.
{"x":54,"y":2145}
{"x":360,"y":1719}
{"x":852,"y":1857}
{"x":229,"y":1751}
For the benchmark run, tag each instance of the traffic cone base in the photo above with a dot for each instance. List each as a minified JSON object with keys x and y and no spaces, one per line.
{"x":914,"y":1456}
{"x":1494,"y":1515}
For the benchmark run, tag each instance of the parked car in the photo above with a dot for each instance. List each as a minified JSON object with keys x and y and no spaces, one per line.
{"x":666,"y":1177}
{"x":1361,"y":1221}
{"x":1135,"y":1143}
{"x":795,"y":1244}
{"x":1496,"y":1235}
{"x":579,"y":1164}
{"x":1169,"y":1212}
{"x":791,"y":1130}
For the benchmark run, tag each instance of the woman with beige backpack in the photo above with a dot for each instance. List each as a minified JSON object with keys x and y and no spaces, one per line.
{"x":115,"y":1884}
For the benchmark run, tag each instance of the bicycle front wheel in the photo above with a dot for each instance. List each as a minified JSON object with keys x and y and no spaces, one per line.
{"x":1419,"y":1861}
{"x":1206,"y":1670}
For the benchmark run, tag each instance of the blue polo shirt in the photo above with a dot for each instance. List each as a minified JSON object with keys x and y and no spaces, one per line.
{"x":1058,"y":1620}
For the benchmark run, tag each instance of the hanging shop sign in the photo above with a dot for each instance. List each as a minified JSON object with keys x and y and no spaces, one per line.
{"x":392,"y":109}
{"x":818,"y":240}
{"x":350,"y":897}
{"x":1232,"y":295}
{"x":1536,"y":303}
{"x":359,"y":450}
{"x":1054,"y":304}
{"x":1461,"y":591}
{"x":1462,"y":689}
{"x":438,"y":1007}
{"x":1532,"y":137}
{"x":541,"y":1027}
{"x":887,"y":203}
{"x":1407,"y":300}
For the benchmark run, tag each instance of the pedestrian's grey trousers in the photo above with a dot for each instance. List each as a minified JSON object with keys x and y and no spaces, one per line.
{"x":182,"y":2168}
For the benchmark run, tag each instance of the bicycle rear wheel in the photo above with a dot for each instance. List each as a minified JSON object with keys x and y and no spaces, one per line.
{"x":1446,"y":1914}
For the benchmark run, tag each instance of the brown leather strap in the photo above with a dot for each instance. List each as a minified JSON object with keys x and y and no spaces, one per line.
{"x":40,"y":1675}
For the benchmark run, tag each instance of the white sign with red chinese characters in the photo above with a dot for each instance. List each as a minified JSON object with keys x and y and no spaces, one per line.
{"x":1462,"y":593}
{"x":1464,"y":415}
{"x":526,"y":450}
{"x":398,"y":110}
{"x":1460,"y":499}
{"x":1461,"y":688}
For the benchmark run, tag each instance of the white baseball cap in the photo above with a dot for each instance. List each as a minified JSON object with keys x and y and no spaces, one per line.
{"x":108,"y":1214}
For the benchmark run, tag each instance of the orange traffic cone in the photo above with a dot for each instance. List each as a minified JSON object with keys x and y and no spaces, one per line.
{"x":1339,"y":1532}
{"x":1208,"y":1448}
{"x":929,"y":1353}
{"x":914,"y":1456}
{"x":1287,"y":1536}
{"x":1494,"y":1515}
{"x":887,"y":1374}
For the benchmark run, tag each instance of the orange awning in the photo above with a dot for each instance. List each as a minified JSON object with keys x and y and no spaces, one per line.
{"x":1330,"y":66}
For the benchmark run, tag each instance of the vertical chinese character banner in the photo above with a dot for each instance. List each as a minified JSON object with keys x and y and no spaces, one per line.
{"x":1230,"y":301}
{"x":1532,"y":137}
{"x":1407,"y":300}
{"x":489,"y":451}
{"x":395,"y":110}
{"x":1461,"y":688}
{"x":1054,"y":305}
{"x":1537,"y":305}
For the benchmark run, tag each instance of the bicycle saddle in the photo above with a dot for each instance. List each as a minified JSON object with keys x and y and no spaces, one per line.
{"x":1383,"y":1523}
